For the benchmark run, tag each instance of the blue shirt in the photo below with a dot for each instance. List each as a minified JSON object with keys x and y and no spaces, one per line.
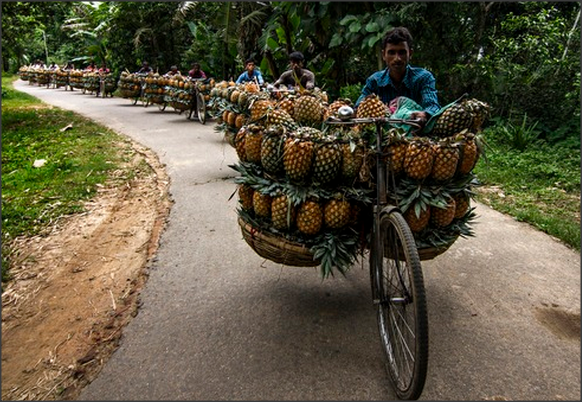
{"x":418,"y":84}
{"x":244,"y":77}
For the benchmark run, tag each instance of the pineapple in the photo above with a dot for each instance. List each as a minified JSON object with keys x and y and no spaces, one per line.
{"x":371,"y":106}
{"x":272,"y":150}
{"x":326,"y":161}
{"x":479,"y":110}
{"x":337,"y":212}
{"x":454,"y":119}
{"x":279,"y":117}
{"x":239,"y":144}
{"x":469,"y":155}
{"x":242,"y":100}
{"x":352,"y":160}
{"x":445,"y":161}
{"x":282,"y":212}
{"x":245,"y":194}
{"x":419,"y":158}
{"x":262,"y":204}
{"x":462,"y":204}
{"x":259,"y":108}
{"x":253,"y":140}
{"x":287,"y":105}
{"x":298,"y":155}
{"x":395,"y":151}
{"x":331,"y":110}
{"x":309,"y":218}
{"x":417,"y":222}
{"x":442,"y":217}
{"x":308,"y":110}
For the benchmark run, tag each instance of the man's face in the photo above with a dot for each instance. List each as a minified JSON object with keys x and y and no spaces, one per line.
{"x":250,"y":67}
{"x":295,"y":65}
{"x":397,"y":56}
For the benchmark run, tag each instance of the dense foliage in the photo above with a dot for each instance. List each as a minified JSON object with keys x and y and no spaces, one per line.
{"x":523,"y":58}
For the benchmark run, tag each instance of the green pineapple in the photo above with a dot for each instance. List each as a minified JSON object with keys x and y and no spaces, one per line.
{"x":453,"y":120}
{"x":272,"y":149}
{"x":327,"y":160}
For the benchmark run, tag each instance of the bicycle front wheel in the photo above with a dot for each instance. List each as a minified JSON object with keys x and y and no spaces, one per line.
{"x":399,"y":296}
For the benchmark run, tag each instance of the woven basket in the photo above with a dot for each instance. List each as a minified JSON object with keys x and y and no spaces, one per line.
{"x":276,"y":248}
{"x":432,"y":252}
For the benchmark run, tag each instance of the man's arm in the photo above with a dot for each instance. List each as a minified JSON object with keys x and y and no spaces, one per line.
{"x":282,"y":79}
{"x":239,"y":80}
{"x":428,"y":94}
{"x":260,"y":78}
{"x":310,"y":81}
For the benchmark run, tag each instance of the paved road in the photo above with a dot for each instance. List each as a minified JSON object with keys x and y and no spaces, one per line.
{"x":220,"y":323}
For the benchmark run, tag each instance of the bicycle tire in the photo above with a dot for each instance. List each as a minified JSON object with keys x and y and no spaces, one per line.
{"x":201,"y":108}
{"x":400,"y":299}
{"x":135,"y":101}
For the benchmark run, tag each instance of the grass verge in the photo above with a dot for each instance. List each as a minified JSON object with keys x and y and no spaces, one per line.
{"x":539,"y":185}
{"x":52,"y":162}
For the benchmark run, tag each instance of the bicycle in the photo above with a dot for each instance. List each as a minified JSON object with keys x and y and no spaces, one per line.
{"x":198,"y":102}
{"x":396,"y":278}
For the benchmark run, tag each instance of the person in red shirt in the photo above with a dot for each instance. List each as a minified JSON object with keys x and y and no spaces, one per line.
{"x":196,"y":72}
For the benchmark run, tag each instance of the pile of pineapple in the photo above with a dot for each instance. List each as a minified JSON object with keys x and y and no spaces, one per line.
{"x":91,"y":81}
{"x":433,"y":172}
{"x":76,"y":79}
{"x":23,"y":73}
{"x":311,"y":183}
{"x":110,"y":83}
{"x":154,"y":89}
{"x":299,"y":178}
{"x":62,"y":78}
{"x":179,"y":92}
{"x":129,"y":84}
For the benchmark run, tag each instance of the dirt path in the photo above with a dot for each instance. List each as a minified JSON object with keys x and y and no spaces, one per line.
{"x":75,"y":289}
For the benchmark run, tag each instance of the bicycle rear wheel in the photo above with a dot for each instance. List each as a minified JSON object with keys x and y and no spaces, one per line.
{"x":201,"y":108}
{"x":399,"y":296}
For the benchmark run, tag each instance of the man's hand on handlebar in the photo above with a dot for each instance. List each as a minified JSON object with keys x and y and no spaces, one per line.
{"x":421,"y":117}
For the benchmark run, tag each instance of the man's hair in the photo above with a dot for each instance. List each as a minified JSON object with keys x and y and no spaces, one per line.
{"x":249,"y":60}
{"x":296,"y":56}
{"x":195,"y":65}
{"x":396,"y":36}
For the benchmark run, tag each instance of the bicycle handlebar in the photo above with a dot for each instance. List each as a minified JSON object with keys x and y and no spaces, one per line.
{"x":352,"y":121}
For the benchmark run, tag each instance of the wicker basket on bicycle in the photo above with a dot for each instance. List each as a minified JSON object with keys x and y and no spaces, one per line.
{"x":277,"y":248}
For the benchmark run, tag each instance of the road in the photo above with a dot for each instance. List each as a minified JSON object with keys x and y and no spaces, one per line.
{"x":220,"y":323}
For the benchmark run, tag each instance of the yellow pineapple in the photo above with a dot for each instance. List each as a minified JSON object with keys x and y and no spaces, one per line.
{"x":262,"y":204}
{"x":245,"y":194}
{"x":282,"y":212}
{"x":417,"y":222}
{"x":309,"y":218}
{"x":308,"y":110}
{"x":337,"y":212}
{"x":445,"y":161}
{"x":419,"y":158}
{"x":442,"y":217}
{"x":253,"y":139}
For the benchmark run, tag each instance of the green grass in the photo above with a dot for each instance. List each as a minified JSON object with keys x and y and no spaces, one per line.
{"x":78,"y":160}
{"x":539,"y":185}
